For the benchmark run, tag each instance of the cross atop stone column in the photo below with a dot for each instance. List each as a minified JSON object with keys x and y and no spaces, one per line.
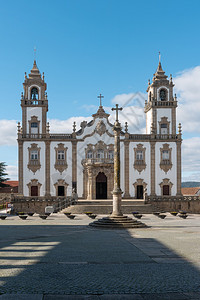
{"x":117,"y":108}
{"x":100,"y":96}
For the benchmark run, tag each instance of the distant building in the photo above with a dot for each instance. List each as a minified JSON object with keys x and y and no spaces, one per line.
{"x":12,"y":187}
{"x":51,"y":165}
{"x":191,"y":191}
{"x":5,"y":192}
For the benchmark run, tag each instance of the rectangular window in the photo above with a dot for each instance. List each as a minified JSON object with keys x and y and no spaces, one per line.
{"x":165,"y":154}
{"x":111,"y":154}
{"x":89,"y":154}
{"x":100,"y":153}
{"x":34,"y":125}
{"x":34,"y":154}
{"x":61,"y":155}
{"x":139,"y":155}
{"x":164,"y":129}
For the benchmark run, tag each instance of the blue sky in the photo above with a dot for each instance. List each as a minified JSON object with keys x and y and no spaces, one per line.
{"x":87,"y":47}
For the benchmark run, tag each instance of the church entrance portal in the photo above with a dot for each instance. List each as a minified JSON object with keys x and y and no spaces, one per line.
{"x":140,"y":192}
{"x":101,"y":186}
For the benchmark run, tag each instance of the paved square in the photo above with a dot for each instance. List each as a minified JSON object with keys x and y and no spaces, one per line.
{"x":58,"y":256}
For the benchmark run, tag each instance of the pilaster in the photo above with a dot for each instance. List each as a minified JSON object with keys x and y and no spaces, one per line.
{"x":178,"y":153}
{"x":152,"y":143}
{"x":47,"y":166}
{"x":74,"y":165}
{"x":20,"y":171}
{"x":173,"y":120}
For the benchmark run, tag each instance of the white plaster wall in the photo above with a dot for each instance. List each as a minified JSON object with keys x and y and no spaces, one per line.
{"x":55,"y":174}
{"x":34,"y":111}
{"x":160,"y":174}
{"x":164,"y":112}
{"x":148,"y":121}
{"x":90,"y":129}
{"x":134,"y":174}
{"x":28,"y":174}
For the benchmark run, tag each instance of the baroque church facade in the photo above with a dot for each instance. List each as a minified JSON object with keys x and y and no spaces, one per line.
{"x":52,"y":165}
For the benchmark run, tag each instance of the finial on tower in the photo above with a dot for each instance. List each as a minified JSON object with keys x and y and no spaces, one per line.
{"x":126,"y":127}
{"x":48,"y":127}
{"x":159,"y":57}
{"x":152,"y":128}
{"x":74,"y":127}
{"x":34,"y":53}
{"x":179,"y":129}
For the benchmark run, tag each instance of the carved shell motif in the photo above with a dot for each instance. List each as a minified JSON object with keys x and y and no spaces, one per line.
{"x":100,"y":128}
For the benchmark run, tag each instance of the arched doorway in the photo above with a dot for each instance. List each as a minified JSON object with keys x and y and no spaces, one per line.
{"x":101,"y":186}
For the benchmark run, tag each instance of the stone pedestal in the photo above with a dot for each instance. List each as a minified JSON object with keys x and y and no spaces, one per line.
{"x":117,"y":197}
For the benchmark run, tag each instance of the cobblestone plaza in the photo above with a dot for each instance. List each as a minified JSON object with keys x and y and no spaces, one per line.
{"x":59,"y":258}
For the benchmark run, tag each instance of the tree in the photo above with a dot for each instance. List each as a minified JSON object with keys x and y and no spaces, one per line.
{"x":3,"y":174}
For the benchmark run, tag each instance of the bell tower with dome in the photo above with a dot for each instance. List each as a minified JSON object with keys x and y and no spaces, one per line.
{"x":161,"y":106}
{"x":34,"y":103}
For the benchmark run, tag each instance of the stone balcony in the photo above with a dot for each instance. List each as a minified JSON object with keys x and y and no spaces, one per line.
{"x":97,"y":161}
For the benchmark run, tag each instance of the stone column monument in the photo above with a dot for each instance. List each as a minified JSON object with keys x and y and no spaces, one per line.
{"x":116,"y":219}
{"x":117,"y":192}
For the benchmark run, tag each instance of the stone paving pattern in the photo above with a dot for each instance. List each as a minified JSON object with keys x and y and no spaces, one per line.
{"x":59,"y":258}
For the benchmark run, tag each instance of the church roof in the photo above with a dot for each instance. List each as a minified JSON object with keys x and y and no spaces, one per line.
{"x":100,"y":113}
{"x":160,"y":74}
{"x":35,"y":71}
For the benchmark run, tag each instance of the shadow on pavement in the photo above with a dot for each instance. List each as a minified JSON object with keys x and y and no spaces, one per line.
{"x":81,"y":260}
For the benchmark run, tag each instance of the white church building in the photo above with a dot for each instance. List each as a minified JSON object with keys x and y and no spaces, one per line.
{"x":51,"y":165}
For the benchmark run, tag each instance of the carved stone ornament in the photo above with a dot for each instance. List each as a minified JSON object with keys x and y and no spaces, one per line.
{"x":166,"y":164}
{"x":34,"y":182}
{"x":60,"y":162}
{"x":34,"y":164}
{"x":139,"y":164}
{"x":100,"y":128}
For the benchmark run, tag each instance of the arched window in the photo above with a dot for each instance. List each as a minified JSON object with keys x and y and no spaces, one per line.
{"x":34,"y":93}
{"x":163,"y":95}
{"x":149,"y":96}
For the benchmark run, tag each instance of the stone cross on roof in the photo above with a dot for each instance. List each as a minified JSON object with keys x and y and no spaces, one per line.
{"x":100,"y":96}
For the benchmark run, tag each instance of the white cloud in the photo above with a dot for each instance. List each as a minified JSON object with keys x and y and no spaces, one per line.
{"x":8,"y":132}
{"x":66,"y":126}
{"x":188,"y":89}
{"x":191,"y":154}
{"x":131,"y":99}
{"x":12,"y":172}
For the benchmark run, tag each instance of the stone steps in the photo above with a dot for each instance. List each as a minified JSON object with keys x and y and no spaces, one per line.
{"x":117,"y":223}
{"x":109,"y":202}
{"x":105,"y":207}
